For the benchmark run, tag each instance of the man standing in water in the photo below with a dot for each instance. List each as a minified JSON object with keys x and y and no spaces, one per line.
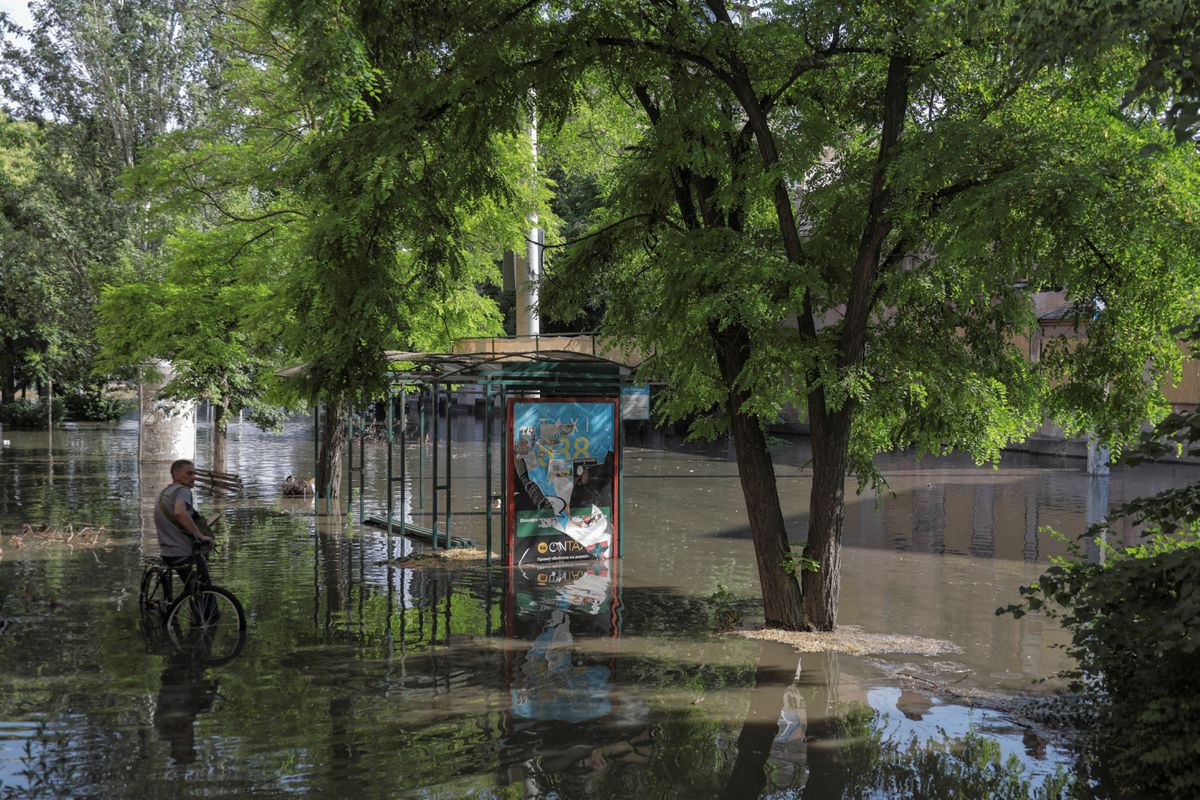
{"x":175,"y":521}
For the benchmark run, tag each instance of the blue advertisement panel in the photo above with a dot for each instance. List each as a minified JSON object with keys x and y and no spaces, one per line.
{"x":563,"y":476}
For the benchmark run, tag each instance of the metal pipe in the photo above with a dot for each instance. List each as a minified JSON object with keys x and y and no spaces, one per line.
{"x":403,"y":466}
{"x":434,"y":454}
{"x":449,"y":467}
{"x":349,"y":459}
{"x":362,"y":466}
{"x":421,"y":448}
{"x":505,"y":556}
{"x":487,"y":491}
{"x":389,"y":502}
{"x":618,"y":444}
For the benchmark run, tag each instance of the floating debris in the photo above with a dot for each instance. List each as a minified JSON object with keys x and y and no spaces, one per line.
{"x":297,"y":487}
{"x":42,"y":535}
{"x":434,"y":558}
{"x":854,"y":641}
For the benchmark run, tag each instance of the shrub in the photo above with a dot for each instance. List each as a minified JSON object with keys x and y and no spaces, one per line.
{"x":1135,"y":630}
{"x":30,"y":413}
{"x":94,"y":406}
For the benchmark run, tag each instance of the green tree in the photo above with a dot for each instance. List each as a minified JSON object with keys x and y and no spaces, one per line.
{"x":205,"y":317}
{"x":99,"y":82}
{"x":407,"y":224}
{"x":214,"y":304}
{"x":887,"y":136}
{"x":842,"y":208}
{"x":1162,"y":35}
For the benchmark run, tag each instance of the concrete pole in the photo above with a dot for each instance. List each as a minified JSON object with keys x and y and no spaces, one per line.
{"x":1097,"y":456}
{"x":166,"y":428}
{"x":528,"y":272}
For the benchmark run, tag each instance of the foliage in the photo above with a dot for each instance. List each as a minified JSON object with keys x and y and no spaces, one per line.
{"x":40,"y":331}
{"x":1135,"y":627}
{"x":1162,"y":33}
{"x":91,"y":404}
{"x":1134,"y":618}
{"x":202,"y":317}
{"x":31,"y":413}
{"x":416,"y":189}
{"x":725,"y":609}
{"x":92,"y":84}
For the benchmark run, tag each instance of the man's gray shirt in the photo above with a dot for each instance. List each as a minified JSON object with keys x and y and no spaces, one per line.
{"x":172,"y":538}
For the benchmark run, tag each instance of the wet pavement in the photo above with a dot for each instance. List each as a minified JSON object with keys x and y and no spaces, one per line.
{"x":361,"y":680}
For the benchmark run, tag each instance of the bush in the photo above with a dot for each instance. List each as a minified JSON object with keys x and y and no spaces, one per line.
{"x":94,"y":406}
{"x":30,"y":413}
{"x":1135,"y":631}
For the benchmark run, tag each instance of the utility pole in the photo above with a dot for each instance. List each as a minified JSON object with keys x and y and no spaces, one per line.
{"x":528,"y":273}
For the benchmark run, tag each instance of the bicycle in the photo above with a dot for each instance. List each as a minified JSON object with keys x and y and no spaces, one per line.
{"x":204,"y":620}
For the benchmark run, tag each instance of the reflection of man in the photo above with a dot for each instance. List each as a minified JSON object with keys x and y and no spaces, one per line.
{"x":186,"y":693}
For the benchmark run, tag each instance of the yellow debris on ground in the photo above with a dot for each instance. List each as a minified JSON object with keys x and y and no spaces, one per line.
{"x":854,"y":641}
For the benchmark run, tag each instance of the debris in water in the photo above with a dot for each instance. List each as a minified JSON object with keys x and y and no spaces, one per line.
{"x":854,"y":641}
{"x":43,"y":535}
{"x":297,"y":487}
{"x":433,"y":558}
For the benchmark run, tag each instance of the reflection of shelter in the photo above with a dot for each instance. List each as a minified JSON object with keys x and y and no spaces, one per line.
{"x":574,"y":366}
{"x":567,"y":721}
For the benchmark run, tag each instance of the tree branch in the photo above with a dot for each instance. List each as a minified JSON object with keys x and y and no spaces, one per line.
{"x":594,"y":234}
{"x":249,"y":242}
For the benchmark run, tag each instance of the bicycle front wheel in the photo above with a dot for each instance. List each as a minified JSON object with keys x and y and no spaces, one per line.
{"x":208,"y":623}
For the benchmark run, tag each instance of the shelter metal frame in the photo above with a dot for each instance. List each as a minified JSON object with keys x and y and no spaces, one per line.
{"x":577,"y":366}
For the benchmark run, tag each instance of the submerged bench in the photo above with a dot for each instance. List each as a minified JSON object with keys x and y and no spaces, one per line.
{"x":416,"y":531}
{"x":219,"y":481}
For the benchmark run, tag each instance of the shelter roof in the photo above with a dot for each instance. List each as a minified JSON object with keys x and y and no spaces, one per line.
{"x":574,"y":358}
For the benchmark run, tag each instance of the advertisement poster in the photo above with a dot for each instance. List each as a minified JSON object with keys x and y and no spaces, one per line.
{"x":563,"y":479}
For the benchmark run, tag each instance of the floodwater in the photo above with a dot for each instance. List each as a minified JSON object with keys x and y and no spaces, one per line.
{"x":360,"y":680}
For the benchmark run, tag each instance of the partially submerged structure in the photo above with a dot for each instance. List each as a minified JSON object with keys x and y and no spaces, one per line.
{"x":558,"y":489}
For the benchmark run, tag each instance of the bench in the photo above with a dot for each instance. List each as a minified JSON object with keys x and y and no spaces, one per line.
{"x":419,"y":532}
{"x":219,"y":481}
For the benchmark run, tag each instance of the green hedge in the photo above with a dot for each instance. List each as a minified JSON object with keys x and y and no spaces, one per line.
{"x":30,"y":413}
{"x":75,"y":407}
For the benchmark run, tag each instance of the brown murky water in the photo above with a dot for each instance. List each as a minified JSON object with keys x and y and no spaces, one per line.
{"x":361,"y":680}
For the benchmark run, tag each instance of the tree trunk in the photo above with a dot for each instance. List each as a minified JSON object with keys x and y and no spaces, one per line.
{"x":780,"y":590}
{"x":220,"y":424}
{"x":8,"y":381}
{"x":826,"y":511}
{"x":329,"y":452}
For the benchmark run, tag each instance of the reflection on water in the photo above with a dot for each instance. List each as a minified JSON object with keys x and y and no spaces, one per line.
{"x":186,"y":692}
{"x":363,"y":680}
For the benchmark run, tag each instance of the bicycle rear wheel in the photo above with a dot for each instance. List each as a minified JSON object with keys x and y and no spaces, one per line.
{"x":154,"y":598}
{"x":208,"y":624}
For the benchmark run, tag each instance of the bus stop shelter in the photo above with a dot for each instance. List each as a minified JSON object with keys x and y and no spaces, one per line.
{"x":581,"y":367}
